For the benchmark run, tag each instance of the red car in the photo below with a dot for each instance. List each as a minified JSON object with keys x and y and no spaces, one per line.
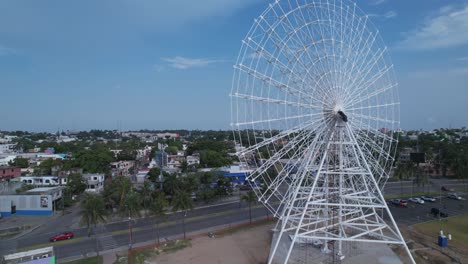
{"x":62,"y":236}
{"x":403,"y":203}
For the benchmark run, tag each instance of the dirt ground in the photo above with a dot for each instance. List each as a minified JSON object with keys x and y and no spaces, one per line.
{"x":426,"y":250}
{"x":249,"y":246}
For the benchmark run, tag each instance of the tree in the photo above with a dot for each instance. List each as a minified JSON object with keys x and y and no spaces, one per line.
{"x":250,"y":198}
{"x":76,"y":184}
{"x":146,"y":194}
{"x":131,"y":206}
{"x":93,"y":211}
{"x":182,"y":201}
{"x":20,"y":162}
{"x":158,"y":209}
{"x":171,"y":184}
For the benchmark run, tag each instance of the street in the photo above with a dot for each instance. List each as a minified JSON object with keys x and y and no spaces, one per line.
{"x":116,"y":235}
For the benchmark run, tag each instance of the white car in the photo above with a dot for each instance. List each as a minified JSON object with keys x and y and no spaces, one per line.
{"x":454,"y":196}
{"x":416,"y":200}
{"x":428,"y":198}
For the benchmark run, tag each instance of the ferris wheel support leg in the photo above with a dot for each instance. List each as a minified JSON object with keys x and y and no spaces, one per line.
{"x":405,"y":246}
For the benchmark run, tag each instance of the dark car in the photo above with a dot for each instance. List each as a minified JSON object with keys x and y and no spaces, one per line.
{"x":62,"y":236}
{"x":445,"y":189}
{"x":436,"y":212}
{"x":245,"y":187}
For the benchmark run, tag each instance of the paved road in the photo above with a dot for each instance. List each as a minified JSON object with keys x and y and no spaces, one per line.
{"x":115,"y":235}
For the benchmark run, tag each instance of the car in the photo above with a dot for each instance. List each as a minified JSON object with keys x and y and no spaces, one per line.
{"x":62,"y":236}
{"x":454,"y":196}
{"x":403,"y":203}
{"x":445,"y":189}
{"x":428,"y":199}
{"x":436,"y":212}
{"x":394,"y":201}
{"x":245,"y":187}
{"x":416,"y":200}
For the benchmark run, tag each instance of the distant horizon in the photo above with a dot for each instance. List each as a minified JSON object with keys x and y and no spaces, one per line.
{"x":143,"y":130}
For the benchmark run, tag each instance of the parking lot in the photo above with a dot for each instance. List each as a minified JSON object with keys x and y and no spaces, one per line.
{"x":416,"y":213}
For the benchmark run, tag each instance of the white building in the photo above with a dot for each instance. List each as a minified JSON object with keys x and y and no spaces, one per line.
{"x":40,"y":180}
{"x":192,"y":160}
{"x":7,"y":148}
{"x":95,"y":182}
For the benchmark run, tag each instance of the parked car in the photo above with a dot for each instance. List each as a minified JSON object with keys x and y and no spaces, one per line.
{"x":245,"y":187}
{"x":428,"y":199}
{"x":416,"y":200}
{"x":445,"y":189}
{"x":454,"y":196}
{"x":62,"y":236}
{"x":394,"y":201}
{"x":403,"y":203}
{"x":436,"y":212}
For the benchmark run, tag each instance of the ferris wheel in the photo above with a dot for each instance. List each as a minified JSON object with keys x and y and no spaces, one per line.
{"x":315,"y":110}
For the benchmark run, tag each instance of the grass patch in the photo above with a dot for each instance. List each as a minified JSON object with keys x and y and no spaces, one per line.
{"x":92,"y":260}
{"x":176,"y":245}
{"x":9,"y":235}
{"x":455,"y":225}
{"x":415,"y":194}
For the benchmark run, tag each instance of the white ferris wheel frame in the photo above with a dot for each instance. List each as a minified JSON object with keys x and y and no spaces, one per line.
{"x":308,"y":71}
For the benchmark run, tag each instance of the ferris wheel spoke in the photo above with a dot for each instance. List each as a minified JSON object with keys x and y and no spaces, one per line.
{"x":373,"y":80}
{"x":290,"y":146}
{"x":277,"y":182}
{"x":286,"y":118}
{"x":280,"y":42}
{"x":375,"y":118}
{"x":375,"y":93}
{"x":267,"y":79}
{"x":275,"y":101}
{"x":301,"y":38}
{"x":362,"y":80}
{"x":273,"y":60}
{"x":281,"y":135}
{"x":360,"y":57}
{"x":373,"y":106}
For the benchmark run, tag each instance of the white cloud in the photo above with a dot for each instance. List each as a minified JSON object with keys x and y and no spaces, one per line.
{"x":390,"y":14}
{"x":448,"y":29}
{"x":377,"y":2}
{"x":182,"y":63}
{"x":4,"y":51}
{"x":463,"y":59}
{"x":385,"y":16}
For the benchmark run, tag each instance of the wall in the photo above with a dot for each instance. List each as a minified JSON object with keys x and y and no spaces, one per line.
{"x":26,"y":204}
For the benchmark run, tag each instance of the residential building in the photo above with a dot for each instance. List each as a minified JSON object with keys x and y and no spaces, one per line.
{"x":41,"y":180}
{"x":95,"y":182}
{"x":193,"y":160}
{"x":8,"y":173}
{"x":7,"y":148}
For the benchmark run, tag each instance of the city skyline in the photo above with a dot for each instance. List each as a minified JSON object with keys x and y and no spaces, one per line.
{"x":149,"y":65}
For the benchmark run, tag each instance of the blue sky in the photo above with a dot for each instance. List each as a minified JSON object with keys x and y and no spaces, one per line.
{"x":168,"y":64}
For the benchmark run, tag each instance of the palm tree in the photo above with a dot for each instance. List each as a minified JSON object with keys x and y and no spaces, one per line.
{"x":123,"y":187}
{"x":250,"y":198}
{"x":93,"y":211}
{"x":171,"y":184}
{"x":158,"y":209}
{"x":132,"y":205}
{"x":146,"y":194}
{"x":181,"y":201}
